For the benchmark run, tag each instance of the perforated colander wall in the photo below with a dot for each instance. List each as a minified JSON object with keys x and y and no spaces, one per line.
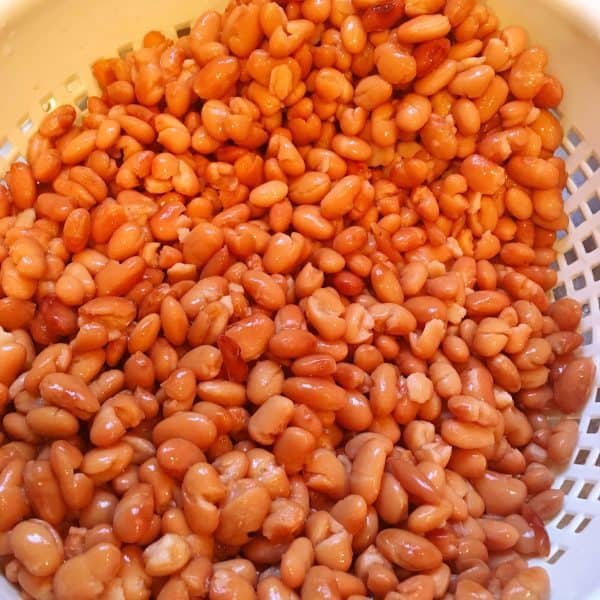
{"x":578,"y":266}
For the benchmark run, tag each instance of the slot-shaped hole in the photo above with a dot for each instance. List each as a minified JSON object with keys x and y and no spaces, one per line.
{"x":594,"y":204}
{"x":49,"y":103}
{"x":597,"y":396}
{"x":579,"y":282}
{"x":73,"y":84}
{"x":582,"y":456}
{"x":578,"y":178}
{"x":557,"y":113}
{"x":586,"y":521}
{"x":554,"y":558}
{"x":574,"y":137}
{"x":567,"y":486}
{"x":82,"y":102}
{"x":588,"y":337}
{"x":183,"y":29}
{"x":585,"y":309}
{"x":593,"y":163}
{"x":565,"y":521}
{"x":589,"y":244}
{"x":596,"y":273}
{"x":570,"y":256}
{"x":560,"y":291}
{"x":25,"y":124}
{"x":585,"y":491}
{"x":593,"y":425}
{"x":577,"y":217}
{"x":5,"y":148}
{"x":125,"y":50}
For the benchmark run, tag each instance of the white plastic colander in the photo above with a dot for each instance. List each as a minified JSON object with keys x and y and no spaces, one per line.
{"x":48,"y":46}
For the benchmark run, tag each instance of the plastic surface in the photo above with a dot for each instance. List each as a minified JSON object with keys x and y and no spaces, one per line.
{"x":47,"y":47}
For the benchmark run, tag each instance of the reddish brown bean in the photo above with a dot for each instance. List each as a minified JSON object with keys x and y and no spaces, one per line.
{"x":573,"y":385}
{"x":347,"y":334}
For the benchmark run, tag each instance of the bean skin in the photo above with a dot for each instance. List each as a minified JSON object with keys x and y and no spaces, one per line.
{"x":572,"y":388}
{"x":502,"y":494}
{"x":407,"y":550}
{"x":36,"y":544}
{"x":315,"y":392}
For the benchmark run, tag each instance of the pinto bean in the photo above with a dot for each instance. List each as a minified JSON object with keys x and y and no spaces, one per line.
{"x":275,"y":320}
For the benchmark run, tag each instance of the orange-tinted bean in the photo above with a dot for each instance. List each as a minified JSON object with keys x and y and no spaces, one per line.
{"x":292,"y":447}
{"x":367,"y":469}
{"x":426,"y":308}
{"x":188,"y":425}
{"x":317,"y":393}
{"x":85,"y":574}
{"x":235,"y":279}
{"x":176,"y":455}
{"x":573,"y":385}
{"x":319,"y":581}
{"x":502,"y":494}
{"x":567,"y":313}
{"x":270,"y":419}
{"x":408,"y":550}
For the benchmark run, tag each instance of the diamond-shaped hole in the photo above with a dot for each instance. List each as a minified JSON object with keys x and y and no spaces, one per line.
{"x":566,"y":194}
{"x":73,"y":84}
{"x":585,"y":491}
{"x":561,"y":152}
{"x":565,"y":520}
{"x":5,"y":148}
{"x":574,"y":137}
{"x":582,"y":457}
{"x":577,"y":217}
{"x":583,"y":524}
{"x":578,"y":178}
{"x":593,"y":426}
{"x":125,"y":50}
{"x":567,"y":485}
{"x":594,"y":204}
{"x":49,"y":103}
{"x":570,"y":256}
{"x":560,"y":291}
{"x":82,"y":102}
{"x":593,"y":163}
{"x":579,"y":282}
{"x":183,"y":30}
{"x":589,"y":244}
{"x":25,"y":124}
{"x":588,"y":337}
{"x":552,"y":560}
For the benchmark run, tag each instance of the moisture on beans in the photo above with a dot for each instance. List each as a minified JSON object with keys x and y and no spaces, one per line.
{"x":274,"y":315}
